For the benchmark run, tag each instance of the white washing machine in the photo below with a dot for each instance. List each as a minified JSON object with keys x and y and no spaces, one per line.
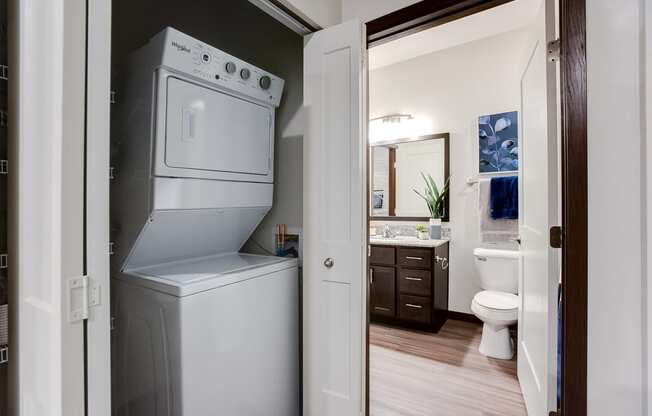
{"x":200,"y":329}
{"x":216,"y":336}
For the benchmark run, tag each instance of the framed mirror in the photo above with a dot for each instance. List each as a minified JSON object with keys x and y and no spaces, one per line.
{"x":397,"y":169}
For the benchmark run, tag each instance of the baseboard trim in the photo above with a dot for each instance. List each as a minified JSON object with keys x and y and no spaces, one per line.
{"x":465,"y":317}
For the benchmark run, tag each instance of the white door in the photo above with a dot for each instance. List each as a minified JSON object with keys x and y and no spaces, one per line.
{"x":334,"y":213}
{"x":538,"y":211}
{"x":47,"y":210}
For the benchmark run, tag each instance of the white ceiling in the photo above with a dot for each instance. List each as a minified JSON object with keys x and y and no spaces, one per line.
{"x":504,"y":18}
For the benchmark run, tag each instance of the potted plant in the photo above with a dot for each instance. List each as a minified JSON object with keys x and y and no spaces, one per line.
{"x":422,"y":232}
{"x":435,"y":200}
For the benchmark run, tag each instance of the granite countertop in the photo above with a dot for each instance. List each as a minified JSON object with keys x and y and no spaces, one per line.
{"x":405,"y":241}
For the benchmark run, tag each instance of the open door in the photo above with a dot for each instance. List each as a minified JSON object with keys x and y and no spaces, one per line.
{"x":334,"y":214}
{"x":538,"y":212}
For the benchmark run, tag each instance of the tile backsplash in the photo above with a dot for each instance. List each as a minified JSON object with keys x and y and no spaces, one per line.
{"x":406,"y":228}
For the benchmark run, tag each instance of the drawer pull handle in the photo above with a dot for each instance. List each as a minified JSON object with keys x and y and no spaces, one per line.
{"x":414,"y":258}
{"x":418,"y":279}
{"x":380,"y":308}
{"x":412,"y":305}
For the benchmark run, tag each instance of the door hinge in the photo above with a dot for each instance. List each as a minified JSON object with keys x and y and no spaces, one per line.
{"x":4,"y":72}
{"x":112,"y":97}
{"x":83,"y":293}
{"x":111,"y":245}
{"x":556,"y":237}
{"x":111,"y":172}
{"x":368,"y":251}
{"x":4,"y":354}
{"x":3,"y":118}
{"x":554,"y":413}
{"x":554,"y":50}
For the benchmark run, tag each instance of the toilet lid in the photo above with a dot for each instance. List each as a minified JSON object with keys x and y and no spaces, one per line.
{"x":497,"y":300}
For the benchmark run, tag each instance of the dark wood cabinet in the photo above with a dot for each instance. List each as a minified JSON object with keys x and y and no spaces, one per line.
{"x":408,"y":286}
{"x":415,"y":257}
{"x":415,"y":282}
{"x":383,"y":290}
{"x":415,"y":308}
{"x":383,"y":255}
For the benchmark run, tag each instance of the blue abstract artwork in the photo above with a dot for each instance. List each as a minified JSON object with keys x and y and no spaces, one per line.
{"x":498,"y":142}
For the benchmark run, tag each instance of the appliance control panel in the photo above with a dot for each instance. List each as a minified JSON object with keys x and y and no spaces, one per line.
{"x":189,"y":55}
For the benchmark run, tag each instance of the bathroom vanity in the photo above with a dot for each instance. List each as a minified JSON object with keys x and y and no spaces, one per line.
{"x":408,"y":282}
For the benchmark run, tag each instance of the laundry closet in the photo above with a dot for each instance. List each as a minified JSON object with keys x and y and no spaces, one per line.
{"x":205,"y":315}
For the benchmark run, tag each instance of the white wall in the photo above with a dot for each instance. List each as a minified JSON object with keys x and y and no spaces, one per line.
{"x":446,"y":91}
{"x":617,"y":332}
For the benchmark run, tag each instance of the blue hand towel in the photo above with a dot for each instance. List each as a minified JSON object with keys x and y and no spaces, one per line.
{"x":503,"y":197}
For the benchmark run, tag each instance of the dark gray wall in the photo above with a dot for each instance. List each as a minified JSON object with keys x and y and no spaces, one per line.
{"x":243,"y":30}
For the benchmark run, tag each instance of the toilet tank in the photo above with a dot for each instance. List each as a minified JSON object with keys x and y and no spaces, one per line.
{"x":498,"y":269}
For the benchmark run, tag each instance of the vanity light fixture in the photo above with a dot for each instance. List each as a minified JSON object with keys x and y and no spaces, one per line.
{"x":393,"y":118}
{"x":390,"y":127}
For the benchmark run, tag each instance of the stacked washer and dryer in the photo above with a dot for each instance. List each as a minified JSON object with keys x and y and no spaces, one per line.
{"x":200,"y":329}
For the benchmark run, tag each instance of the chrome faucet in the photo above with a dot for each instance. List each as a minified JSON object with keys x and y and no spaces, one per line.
{"x":387,"y":232}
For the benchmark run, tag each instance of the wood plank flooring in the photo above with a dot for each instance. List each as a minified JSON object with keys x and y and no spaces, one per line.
{"x":422,"y":374}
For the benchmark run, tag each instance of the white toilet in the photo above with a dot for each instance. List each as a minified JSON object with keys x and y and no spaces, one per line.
{"x":497,"y":304}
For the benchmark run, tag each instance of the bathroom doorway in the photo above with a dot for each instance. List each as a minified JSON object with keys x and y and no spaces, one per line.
{"x":449,"y":289}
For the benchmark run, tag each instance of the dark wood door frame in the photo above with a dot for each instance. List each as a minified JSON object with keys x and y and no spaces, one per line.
{"x":423,"y":15}
{"x":573,"y":69}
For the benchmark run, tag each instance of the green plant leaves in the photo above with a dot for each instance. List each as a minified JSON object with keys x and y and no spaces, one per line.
{"x":433,"y":196}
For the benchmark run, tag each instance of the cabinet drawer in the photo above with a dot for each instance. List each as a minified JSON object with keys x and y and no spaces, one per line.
{"x":415,"y":282}
{"x":382,"y":291}
{"x":415,"y":257}
{"x":383,"y":255}
{"x":415,"y":308}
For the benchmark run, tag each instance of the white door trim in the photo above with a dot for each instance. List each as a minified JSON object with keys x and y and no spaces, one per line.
{"x":98,"y":327}
{"x":647,"y":131}
{"x":46,"y":150}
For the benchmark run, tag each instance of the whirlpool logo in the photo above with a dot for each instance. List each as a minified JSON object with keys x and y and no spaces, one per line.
{"x":180,"y":47}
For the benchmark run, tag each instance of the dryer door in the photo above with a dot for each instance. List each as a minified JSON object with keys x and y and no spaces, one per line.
{"x":212,"y":134}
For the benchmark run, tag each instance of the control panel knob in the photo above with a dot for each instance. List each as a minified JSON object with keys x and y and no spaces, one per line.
{"x":245,"y":73}
{"x":230,"y":67}
{"x":265,"y":82}
{"x":205,"y":57}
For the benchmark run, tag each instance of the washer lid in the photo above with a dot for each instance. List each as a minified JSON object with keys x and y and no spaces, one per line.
{"x":188,"y":277}
{"x":496,"y":300}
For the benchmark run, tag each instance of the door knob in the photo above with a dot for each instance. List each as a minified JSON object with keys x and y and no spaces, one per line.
{"x":329,"y":262}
